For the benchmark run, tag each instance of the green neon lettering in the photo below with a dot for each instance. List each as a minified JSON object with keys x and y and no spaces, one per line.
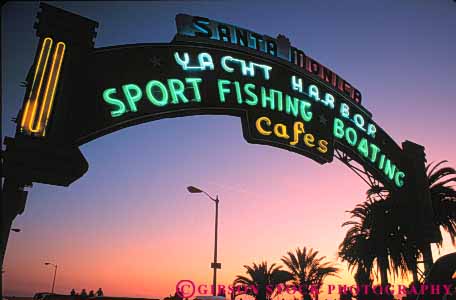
{"x":279,"y":100}
{"x":225,"y":66}
{"x":253,"y":100}
{"x":247,"y":70}
{"x":268,"y":98}
{"x":329,"y":100}
{"x":350,"y":136}
{"x":266,"y":69}
{"x":237,"y":87}
{"x":359,"y":121}
{"x":306,"y":114}
{"x":296,"y":83}
{"x":113,"y":101}
{"x":390,"y":169}
{"x":344,"y":110}
{"x":371,"y":130}
{"x":338,"y":128}
{"x":381,"y":162}
{"x":134,"y":97}
{"x":195,"y":86}
{"x":205,"y":61}
{"x":177,"y":89}
{"x":313,"y":92}
{"x":183,"y":62}
{"x":291,"y":105}
{"x":398,"y":179}
{"x":363,"y":147}
{"x":150,"y":93}
{"x":222,"y":90}
{"x":374,"y":151}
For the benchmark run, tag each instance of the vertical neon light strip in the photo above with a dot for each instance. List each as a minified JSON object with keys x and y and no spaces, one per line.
{"x":51,"y":86}
{"x":37,"y":82}
{"x":38,"y":100}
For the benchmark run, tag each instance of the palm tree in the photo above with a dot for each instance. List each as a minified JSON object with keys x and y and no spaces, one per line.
{"x":443,"y":207}
{"x":364,"y":242}
{"x":443,"y":214}
{"x":380,"y":234}
{"x":375,"y":237}
{"x":262,"y":280}
{"x":357,"y":249}
{"x":443,"y":198}
{"x":308,"y":269}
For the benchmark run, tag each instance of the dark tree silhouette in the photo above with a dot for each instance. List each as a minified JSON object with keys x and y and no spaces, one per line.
{"x":375,"y":237}
{"x":308,"y":269}
{"x":261,"y":280}
{"x":379,"y":234}
{"x":443,"y":197}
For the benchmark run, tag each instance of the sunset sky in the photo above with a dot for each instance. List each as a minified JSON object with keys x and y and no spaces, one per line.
{"x":129,"y":225}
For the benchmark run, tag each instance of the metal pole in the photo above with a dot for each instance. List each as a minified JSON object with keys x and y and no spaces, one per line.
{"x":214,"y":264}
{"x":53,"y":281}
{"x":215,"y":248}
{"x":12,"y":204}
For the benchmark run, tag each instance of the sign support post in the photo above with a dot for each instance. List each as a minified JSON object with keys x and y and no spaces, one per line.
{"x":13,"y":204}
{"x":418,"y":202}
{"x":35,"y":154}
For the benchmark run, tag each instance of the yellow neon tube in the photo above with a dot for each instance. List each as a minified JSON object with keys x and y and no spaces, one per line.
{"x":35,"y":91}
{"x":51,"y":86}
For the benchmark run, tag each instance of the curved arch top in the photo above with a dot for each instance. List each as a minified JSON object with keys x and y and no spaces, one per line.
{"x":279,"y":105}
{"x":279,"y":101}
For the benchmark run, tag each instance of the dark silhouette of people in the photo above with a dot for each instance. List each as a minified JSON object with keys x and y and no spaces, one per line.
{"x":100,"y":292}
{"x":83,"y":294}
{"x":91,"y":293}
{"x":73,"y":292}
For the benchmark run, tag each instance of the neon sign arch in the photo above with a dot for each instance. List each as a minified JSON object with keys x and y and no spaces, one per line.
{"x":284,"y":98}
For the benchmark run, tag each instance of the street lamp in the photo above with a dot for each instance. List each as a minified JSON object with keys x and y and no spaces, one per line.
{"x":215,"y":265}
{"x":55,"y":274}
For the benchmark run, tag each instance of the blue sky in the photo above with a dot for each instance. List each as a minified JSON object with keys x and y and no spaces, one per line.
{"x":132,"y":204}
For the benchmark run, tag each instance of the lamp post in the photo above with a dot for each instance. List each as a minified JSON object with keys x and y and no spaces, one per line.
{"x":215,"y":265}
{"x":55,"y":274}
